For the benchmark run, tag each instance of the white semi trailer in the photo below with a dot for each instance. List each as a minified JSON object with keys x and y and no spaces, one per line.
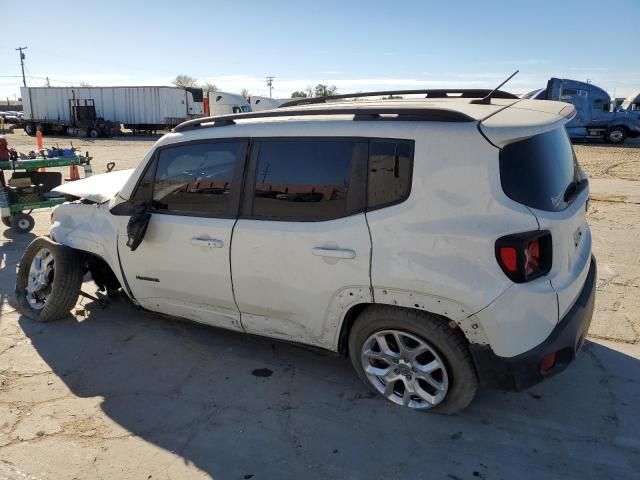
{"x":100,"y":111}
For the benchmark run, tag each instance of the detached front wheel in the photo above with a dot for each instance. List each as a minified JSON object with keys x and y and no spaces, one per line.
{"x":49,"y":280}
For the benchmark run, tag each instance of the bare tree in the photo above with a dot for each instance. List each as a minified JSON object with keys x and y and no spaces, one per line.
{"x":299,"y":94}
{"x":185,"y":81}
{"x":85,"y":84}
{"x":245,"y":93}
{"x":322,"y":90}
{"x":209,"y":87}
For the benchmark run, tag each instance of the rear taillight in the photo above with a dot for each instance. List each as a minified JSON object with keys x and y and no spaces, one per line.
{"x":525,"y":256}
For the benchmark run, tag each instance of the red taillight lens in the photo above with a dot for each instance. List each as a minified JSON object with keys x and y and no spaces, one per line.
{"x":508,"y":258}
{"x":524,"y":256}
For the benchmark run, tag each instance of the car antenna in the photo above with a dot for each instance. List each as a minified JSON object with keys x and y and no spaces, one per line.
{"x":487,"y":100}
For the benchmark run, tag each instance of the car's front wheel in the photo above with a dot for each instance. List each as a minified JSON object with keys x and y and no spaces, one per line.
{"x":49,"y":280}
{"x":413,"y":358}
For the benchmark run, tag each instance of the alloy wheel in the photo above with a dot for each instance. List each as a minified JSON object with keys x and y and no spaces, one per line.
{"x":405,"y":368}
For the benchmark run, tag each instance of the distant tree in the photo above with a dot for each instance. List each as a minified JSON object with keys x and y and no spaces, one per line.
{"x":299,"y":94}
{"x":85,"y":84}
{"x":209,"y":87}
{"x":185,"y":81}
{"x":322,"y":90}
{"x":245,"y":93}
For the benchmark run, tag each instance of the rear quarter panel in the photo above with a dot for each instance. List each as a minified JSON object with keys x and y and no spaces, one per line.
{"x":435,"y":251}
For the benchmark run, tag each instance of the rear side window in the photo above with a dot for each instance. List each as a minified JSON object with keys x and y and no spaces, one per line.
{"x":196,"y":178}
{"x":538,"y":171}
{"x":305,"y":180}
{"x":390,"y":169}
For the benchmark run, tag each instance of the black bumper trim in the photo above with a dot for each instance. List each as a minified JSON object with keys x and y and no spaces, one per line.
{"x":523,"y":371}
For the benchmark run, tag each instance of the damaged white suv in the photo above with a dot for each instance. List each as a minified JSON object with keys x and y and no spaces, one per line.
{"x":438,"y":242}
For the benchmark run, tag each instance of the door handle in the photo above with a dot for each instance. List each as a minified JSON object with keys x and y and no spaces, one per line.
{"x":334,"y":252}
{"x":207,"y":242}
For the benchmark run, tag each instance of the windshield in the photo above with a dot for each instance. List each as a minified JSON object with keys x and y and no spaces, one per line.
{"x":539,"y":170}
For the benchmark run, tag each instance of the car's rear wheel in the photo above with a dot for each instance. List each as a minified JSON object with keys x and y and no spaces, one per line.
{"x":413,"y":358}
{"x":49,"y":280}
{"x":6,"y":221}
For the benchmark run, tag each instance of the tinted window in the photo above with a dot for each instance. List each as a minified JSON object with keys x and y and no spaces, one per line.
{"x":303,"y":180}
{"x":144,"y":191}
{"x":196,"y":178}
{"x":390,"y":164}
{"x":537,"y":171}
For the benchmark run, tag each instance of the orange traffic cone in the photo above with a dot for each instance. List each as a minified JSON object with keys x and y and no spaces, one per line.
{"x":73,"y":173}
{"x":40,"y":148}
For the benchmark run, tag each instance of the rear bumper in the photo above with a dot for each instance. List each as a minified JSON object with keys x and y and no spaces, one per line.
{"x":523,"y":371}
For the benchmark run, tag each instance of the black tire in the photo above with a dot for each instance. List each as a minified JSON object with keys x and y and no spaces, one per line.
{"x":65,"y":284}
{"x":616,"y":135}
{"x":94,"y":133}
{"x":22,"y":222}
{"x":449,"y":344}
{"x":30,"y":129}
{"x":6,"y":221}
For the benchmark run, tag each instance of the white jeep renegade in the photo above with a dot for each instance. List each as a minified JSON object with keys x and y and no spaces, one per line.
{"x":438,"y":242}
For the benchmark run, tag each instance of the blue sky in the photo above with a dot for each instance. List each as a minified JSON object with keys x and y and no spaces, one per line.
{"x":353,"y":45}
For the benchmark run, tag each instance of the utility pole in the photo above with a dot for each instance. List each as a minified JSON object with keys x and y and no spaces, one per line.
{"x":20,"y":49}
{"x":270,"y":84}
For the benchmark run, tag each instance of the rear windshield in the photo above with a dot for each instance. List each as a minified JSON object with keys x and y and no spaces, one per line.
{"x":540,"y":170}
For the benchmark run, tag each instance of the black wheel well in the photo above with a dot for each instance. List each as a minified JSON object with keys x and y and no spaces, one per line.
{"x":101,"y":273}
{"x":621,"y":127}
{"x":356,"y":310}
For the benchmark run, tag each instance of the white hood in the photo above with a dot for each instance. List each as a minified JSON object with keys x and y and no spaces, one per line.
{"x":97,"y":188}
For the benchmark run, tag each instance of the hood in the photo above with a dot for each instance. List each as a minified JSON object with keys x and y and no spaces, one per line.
{"x":97,"y":188}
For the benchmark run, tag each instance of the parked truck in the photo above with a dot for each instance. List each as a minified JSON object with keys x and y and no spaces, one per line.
{"x":632,"y":103}
{"x":595,"y":118}
{"x":100,"y":111}
{"x":223,"y":103}
{"x":265,"y":103}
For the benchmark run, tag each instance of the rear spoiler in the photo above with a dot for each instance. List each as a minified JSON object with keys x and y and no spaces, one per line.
{"x":525,"y":119}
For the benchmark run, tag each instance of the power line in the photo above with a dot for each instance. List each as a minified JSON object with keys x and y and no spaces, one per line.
{"x":39,"y":78}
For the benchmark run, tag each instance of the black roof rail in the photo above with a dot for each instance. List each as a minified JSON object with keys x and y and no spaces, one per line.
{"x":359,"y":112}
{"x":428,"y":93}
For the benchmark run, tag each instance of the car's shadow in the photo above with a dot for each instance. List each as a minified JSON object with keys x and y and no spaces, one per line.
{"x":238,"y":406}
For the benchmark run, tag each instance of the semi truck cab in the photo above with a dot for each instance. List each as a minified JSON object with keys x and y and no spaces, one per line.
{"x":595,"y":119}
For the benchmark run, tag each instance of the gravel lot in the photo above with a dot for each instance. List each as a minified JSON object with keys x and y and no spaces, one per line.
{"x":121,"y":393}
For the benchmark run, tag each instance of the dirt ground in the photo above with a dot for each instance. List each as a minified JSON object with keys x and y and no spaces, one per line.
{"x":121,"y":393}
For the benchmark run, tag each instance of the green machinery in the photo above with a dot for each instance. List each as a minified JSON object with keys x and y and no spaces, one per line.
{"x":29,"y":189}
